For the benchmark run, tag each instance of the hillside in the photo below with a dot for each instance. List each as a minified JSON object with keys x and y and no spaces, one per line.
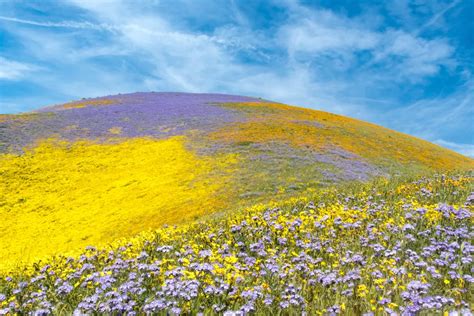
{"x":91,"y":171}
{"x":399,"y":247}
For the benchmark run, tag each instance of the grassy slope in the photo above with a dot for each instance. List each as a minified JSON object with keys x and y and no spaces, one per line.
{"x":385,"y":147}
{"x":388,"y":246}
{"x":64,"y":197}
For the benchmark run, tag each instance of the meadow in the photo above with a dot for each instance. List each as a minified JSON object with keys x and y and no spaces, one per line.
{"x":94,"y":170}
{"x":175,"y":203}
{"x":399,"y":246}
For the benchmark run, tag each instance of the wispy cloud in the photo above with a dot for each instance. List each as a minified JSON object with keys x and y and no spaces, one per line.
{"x":320,"y":32}
{"x":338,"y":40}
{"x":437,"y":16}
{"x":62,"y":24}
{"x":14,"y":70}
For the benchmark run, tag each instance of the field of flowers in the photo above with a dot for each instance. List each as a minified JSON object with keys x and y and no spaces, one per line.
{"x":66,"y":196}
{"x":398,"y":246}
{"x":336,"y":136}
{"x":94,"y":170}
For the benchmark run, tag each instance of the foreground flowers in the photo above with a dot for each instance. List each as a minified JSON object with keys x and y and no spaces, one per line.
{"x":390,"y":248}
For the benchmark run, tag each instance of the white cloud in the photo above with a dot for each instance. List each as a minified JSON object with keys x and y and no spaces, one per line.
{"x":181,"y":58}
{"x":62,"y":24}
{"x":185,"y":61}
{"x":402,"y":56}
{"x":408,"y":13}
{"x":14,"y":70}
{"x":318,"y":32}
{"x":419,"y":57}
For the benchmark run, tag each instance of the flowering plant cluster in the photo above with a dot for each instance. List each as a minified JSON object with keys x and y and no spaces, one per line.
{"x":65,"y":196}
{"x":389,"y":248}
{"x":131,"y":115}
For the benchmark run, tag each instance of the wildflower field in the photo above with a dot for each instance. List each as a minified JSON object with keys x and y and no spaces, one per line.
{"x":175,"y":203}
{"x":386,"y":247}
{"x":91,"y":171}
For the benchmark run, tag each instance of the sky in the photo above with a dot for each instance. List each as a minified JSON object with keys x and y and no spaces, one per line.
{"x":404,"y":64}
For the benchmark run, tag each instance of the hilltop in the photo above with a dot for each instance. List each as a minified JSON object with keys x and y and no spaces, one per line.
{"x":91,"y":171}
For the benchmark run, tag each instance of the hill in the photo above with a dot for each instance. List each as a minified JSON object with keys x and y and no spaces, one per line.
{"x":91,"y":171}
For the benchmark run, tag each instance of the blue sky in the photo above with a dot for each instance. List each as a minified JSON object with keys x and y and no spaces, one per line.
{"x":407,"y":65}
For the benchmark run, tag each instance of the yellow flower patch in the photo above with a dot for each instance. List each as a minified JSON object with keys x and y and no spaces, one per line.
{"x":67,"y":196}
